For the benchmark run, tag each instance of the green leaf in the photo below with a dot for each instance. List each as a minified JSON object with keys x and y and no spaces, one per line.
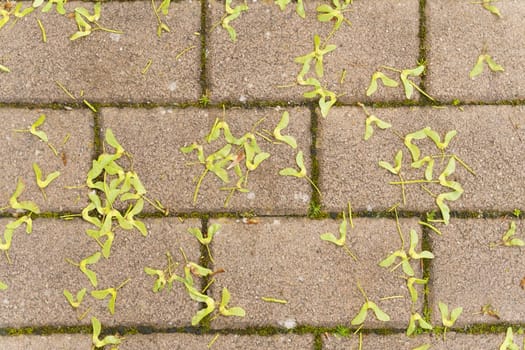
{"x":448,"y":320}
{"x":164,"y":7}
{"x":372,"y":119}
{"x":80,"y":296}
{"x":414,"y":240}
{"x":326,"y":13}
{"x":161,"y":278}
{"x":40,"y":134}
{"x":329,"y":237}
{"x":60,"y":6}
{"x":450,"y":196}
{"x":24,"y":205}
{"x":512,"y":242}
{"x":3,"y":286}
{"x":2,"y":67}
{"x":112,"y":141}
{"x":44,"y":183}
{"x":423,"y":347}
{"x":299,"y":8}
{"x":493,"y":65}
{"x":224,"y":310}
{"x":407,"y":84}
{"x":79,"y":34}
{"x":91,"y":275}
{"x":102,"y":294}
{"x":429,"y":169}
{"x":361,"y":316}
{"x":282,"y":3}
{"x":324,"y":104}
{"x":508,"y":342}
{"x":397,"y":163}
{"x":233,"y":13}
{"x":283,"y":123}
{"x":108,"y":340}
{"x":491,"y":8}
{"x":292,"y":172}
{"x":478,"y":67}
{"x":372,"y":88}
{"x":417,"y":135}
{"x":197,"y":296}
{"x":412,"y":290}
{"x":380,"y":314}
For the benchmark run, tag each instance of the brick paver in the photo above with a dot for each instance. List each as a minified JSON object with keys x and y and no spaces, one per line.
{"x":159,"y":94}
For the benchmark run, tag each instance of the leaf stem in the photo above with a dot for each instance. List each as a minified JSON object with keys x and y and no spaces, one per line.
{"x":312,"y":183}
{"x":345,"y":247}
{"x":409,"y":182}
{"x":421,"y":90}
{"x":123,"y":284}
{"x":197,"y":187}
{"x":72,"y":262}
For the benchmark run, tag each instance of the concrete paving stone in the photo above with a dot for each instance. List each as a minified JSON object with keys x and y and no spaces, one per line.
{"x":454,"y":341}
{"x":467,"y":272}
{"x":489,"y":139}
{"x":106,"y":66}
{"x":155,"y":137}
{"x":229,"y":341}
{"x":21,"y":149}
{"x":39,"y":274}
{"x":46,"y":342}
{"x":284,"y":258}
{"x":457,"y":33}
{"x":268,"y":41}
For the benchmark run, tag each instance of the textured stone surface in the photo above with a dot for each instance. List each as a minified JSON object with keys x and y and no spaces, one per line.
{"x":350,"y":171}
{"x":268,"y":41}
{"x":224,"y":341}
{"x":468,"y":272}
{"x":458,"y":32}
{"x":155,"y":137}
{"x":284,"y":258}
{"x":454,"y":341}
{"x":21,"y":149}
{"x":279,"y":253}
{"x":105,"y":66}
{"x":39,"y":274}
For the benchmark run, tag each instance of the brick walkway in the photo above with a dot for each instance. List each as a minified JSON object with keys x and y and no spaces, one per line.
{"x":152,"y":93}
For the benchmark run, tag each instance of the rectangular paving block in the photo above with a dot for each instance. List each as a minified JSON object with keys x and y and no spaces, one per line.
{"x":285,"y":259}
{"x":70,"y":133}
{"x":45,"y":342}
{"x":39,"y":273}
{"x":490,"y":140}
{"x":155,"y":138}
{"x":468,"y":272}
{"x":107,"y":67}
{"x":453,"y":341}
{"x":457,"y":33}
{"x":261,"y":61}
{"x":224,"y":341}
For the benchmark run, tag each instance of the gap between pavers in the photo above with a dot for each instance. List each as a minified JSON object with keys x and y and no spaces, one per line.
{"x":284,"y":258}
{"x":70,"y":132}
{"x":268,"y":41}
{"x":155,"y":137}
{"x":457,"y":33}
{"x":106,"y":66}
{"x":39,"y":274}
{"x":467,"y":272}
{"x":490,"y":139}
